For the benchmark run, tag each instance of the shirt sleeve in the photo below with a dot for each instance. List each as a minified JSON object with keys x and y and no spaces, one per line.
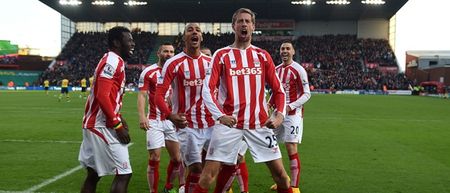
{"x":278,"y":95}
{"x":302,"y":80}
{"x":108,"y":71}
{"x":163,"y":82}
{"x":144,"y":81}
{"x":211,"y":82}
{"x":103,"y":97}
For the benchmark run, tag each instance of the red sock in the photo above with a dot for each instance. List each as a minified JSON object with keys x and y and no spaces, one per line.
{"x":172,"y":171}
{"x":295,"y":170}
{"x":225,"y":177}
{"x":192,"y":180}
{"x":153,"y":175}
{"x":280,"y":190}
{"x":242,"y":177}
{"x":199,"y":189}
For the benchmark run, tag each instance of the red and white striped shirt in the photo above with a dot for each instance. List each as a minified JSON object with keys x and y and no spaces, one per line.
{"x":241,"y":76}
{"x":186,"y":74}
{"x":147,"y":82}
{"x":105,"y":100}
{"x":294,"y":79}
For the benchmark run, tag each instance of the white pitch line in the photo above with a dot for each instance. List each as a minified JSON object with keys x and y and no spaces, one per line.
{"x":55,"y":178}
{"x":374,"y":119}
{"x":33,"y":141}
{"x":58,"y":177}
{"x":5,"y":191}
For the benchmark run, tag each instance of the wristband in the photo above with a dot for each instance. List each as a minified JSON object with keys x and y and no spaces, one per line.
{"x":118,"y":126}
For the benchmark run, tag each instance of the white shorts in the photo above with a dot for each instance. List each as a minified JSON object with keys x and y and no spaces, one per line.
{"x":101,"y":151}
{"x":243,"y":148}
{"x":291,"y":130}
{"x":225,"y":144}
{"x":159,"y":132}
{"x":192,"y":142}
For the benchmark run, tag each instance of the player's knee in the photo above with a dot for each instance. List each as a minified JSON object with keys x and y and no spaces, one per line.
{"x":124,"y":177}
{"x":154,"y":156}
{"x":92,"y":175}
{"x":176,"y":160}
{"x":291,"y":148}
{"x":196,"y":168}
{"x":281,"y":179}
{"x":93,"y":178}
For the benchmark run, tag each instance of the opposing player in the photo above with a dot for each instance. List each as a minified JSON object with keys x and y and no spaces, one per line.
{"x":241,"y":71}
{"x":64,"y":90}
{"x":294,"y":79}
{"x":160,"y":132}
{"x":83,"y":84}
{"x":104,"y":149}
{"x":186,"y":72}
{"x":91,"y":81}
{"x":46,"y":86}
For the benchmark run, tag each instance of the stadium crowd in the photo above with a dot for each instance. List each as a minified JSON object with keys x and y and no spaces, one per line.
{"x":80,"y":56}
{"x":337,"y":61}
{"x":8,"y":60}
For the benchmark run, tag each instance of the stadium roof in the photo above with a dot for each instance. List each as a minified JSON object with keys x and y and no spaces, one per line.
{"x":430,"y":53}
{"x":221,"y":10}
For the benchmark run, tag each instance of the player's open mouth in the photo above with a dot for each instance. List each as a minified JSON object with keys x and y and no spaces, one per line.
{"x":131,"y":51}
{"x":194,"y":39}
{"x":244,"y":32}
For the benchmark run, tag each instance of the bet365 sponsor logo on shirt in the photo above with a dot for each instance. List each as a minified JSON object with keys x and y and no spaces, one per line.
{"x":196,"y":82}
{"x":246,"y":71}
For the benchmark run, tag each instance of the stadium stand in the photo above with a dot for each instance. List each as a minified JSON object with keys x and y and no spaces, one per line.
{"x":8,"y":60}
{"x":340,"y":62}
{"x":81,"y":54}
{"x":334,"y":62}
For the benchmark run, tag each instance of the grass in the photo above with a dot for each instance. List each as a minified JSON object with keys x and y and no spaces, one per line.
{"x":351,"y":143}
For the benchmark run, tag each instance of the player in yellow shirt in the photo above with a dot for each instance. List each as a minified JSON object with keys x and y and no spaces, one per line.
{"x":91,"y":81}
{"x":83,"y":83}
{"x":46,"y":86}
{"x":64,"y":90}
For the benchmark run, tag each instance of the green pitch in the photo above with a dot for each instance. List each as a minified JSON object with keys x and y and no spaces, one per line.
{"x":351,"y":144}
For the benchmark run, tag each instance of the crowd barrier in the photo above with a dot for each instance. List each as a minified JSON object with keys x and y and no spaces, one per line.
{"x":362,"y":92}
{"x":57,"y":88}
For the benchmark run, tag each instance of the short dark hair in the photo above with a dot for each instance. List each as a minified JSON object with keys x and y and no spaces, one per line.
{"x":116,"y":33}
{"x":165,"y":44}
{"x":288,"y":42}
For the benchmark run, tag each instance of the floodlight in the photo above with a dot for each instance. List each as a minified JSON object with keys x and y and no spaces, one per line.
{"x":373,"y":2}
{"x":338,"y":2}
{"x":133,"y":3}
{"x":303,"y":2}
{"x":70,"y":2}
{"x":102,"y":2}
